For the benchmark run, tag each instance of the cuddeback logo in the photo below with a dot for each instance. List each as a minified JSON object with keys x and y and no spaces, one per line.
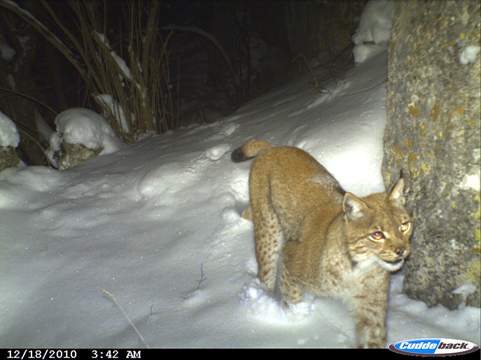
{"x":433,"y":347}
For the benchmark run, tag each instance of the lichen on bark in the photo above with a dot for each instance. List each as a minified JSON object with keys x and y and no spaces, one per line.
{"x":8,"y":157}
{"x":433,"y":136}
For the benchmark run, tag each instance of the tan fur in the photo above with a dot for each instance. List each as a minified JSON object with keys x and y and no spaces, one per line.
{"x":322,"y":238}
{"x":247,"y":214}
{"x":254,"y":147}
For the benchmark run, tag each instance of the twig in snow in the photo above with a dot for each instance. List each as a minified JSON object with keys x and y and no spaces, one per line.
{"x":199,"y":283}
{"x":202,"y":277}
{"x":152,"y":312}
{"x":111,"y":297}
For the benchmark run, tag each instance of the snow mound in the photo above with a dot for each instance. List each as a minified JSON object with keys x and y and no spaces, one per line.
{"x":19,"y":185}
{"x":37,"y":178}
{"x":86,"y":127}
{"x":168,"y":179}
{"x":216,"y":152}
{"x":230,"y":215}
{"x":8,"y":132}
{"x":239,"y":184}
{"x":164,"y":180}
{"x":374,"y":29}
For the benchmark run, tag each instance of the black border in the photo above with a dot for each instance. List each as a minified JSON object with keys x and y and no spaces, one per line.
{"x":146,"y":354}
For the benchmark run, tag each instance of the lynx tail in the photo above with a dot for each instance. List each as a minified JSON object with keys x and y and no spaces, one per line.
{"x":250,"y":150}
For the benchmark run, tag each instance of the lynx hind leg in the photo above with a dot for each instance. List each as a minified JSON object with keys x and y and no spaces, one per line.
{"x":268,"y":237}
{"x":291,"y":292}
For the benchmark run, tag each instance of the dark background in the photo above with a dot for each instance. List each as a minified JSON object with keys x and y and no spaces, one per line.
{"x":268,"y":42}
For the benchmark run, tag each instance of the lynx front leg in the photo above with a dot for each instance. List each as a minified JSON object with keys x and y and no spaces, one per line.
{"x":370,"y":306}
{"x":371,"y":328}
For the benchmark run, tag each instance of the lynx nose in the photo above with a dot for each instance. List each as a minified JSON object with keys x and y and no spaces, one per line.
{"x":400,"y":251}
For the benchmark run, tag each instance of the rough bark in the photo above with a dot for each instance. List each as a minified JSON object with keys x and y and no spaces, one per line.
{"x":433,"y":137}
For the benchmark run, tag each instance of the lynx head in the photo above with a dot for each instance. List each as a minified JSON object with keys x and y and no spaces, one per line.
{"x":378,"y":228}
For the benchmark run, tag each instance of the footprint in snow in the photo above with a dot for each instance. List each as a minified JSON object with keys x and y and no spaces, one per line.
{"x":229,"y":129}
{"x":225,"y":131}
{"x":329,"y":94}
{"x":216,"y":152}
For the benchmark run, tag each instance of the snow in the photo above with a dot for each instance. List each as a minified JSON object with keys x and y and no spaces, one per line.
{"x":118,"y":60}
{"x":362,"y":52}
{"x":468,"y":54}
{"x":146,"y":246}
{"x":471,"y":181}
{"x":374,"y":29}
{"x":465,"y":290}
{"x":8,"y":132}
{"x":217,"y":152}
{"x":43,"y":129}
{"x":86,"y":127}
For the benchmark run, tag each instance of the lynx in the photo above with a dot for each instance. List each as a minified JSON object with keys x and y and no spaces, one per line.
{"x":322,"y":239}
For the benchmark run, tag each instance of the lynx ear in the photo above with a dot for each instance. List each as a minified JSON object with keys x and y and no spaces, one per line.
{"x":353,"y":207}
{"x":397,"y":193}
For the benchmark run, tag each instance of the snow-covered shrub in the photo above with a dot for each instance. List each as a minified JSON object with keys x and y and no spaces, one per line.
{"x":81,"y":134}
{"x":374,"y":29}
{"x":9,"y":140}
{"x":137,"y":83}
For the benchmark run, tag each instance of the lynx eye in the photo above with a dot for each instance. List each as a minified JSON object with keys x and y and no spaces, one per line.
{"x":377,"y":235}
{"x":404,"y":227}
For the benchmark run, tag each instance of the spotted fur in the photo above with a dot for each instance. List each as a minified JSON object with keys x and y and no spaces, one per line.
{"x":324,"y":240}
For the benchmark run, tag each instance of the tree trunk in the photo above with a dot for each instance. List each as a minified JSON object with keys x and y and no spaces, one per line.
{"x":433,"y":136}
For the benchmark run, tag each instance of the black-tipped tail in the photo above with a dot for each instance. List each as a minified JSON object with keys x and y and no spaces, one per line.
{"x":238,"y":155}
{"x":250,"y":150}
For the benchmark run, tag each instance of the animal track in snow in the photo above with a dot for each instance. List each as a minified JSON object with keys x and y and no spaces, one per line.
{"x":330,"y":94}
{"x":229,"y":129}
{"x":225,"y":131}
{"x":216,"y":152}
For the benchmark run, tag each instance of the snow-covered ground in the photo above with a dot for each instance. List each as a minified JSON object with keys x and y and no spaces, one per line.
{"x":152,"y":234}
{"x":8,"y":132}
